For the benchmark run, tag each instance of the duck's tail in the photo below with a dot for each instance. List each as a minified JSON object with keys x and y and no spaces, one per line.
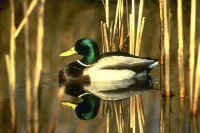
{"x":151,"y":66}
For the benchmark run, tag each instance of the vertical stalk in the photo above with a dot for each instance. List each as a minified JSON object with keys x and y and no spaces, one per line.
{"x":162,"y":124}
{"x":107,"y":46}
{"x":107,"y":13}
{"x":127,"y":17}
{"x":10,"y":61}
{"x":180,"y":49}
{"x":140,"y":114}
{"x":38,"y":66}
{"x":166,"y":49}
{"x":108,"y":122}
{"x":28,"y":80}
{"x":197,"y":84}
{"x":192,"y":49}
{"x":161,"y":44}
{"x":139,"y":26}
{"x":116,"y":18}
{"x":132,"y":51}
{"x":132,"y":29}
{"x":132,"y":113}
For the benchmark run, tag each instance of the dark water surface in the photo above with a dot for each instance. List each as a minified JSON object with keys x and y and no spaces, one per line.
{"x":65,"y":22}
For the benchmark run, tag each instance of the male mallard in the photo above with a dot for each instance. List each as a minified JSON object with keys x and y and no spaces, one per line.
{"x":111,"y":76}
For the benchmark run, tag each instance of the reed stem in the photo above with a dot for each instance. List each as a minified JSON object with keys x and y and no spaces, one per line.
{"x":108,"y":122}
{"x":23,"y":22}
{"x":132,"y":29}
{"x":192,"y":49}
{"x":181,"y":64}
{"x":161,"y":44}
{"x":107,"y":46}
{"x":132,"y":51}
{"x":107,"y":13}
{"x":140,"y":114}
{"x":132,"y":113}
{"x":139,"y":28}
{"x":162,"y":124}
{"x":197,"y":84}
{"x":38,"y":66}
{"x":164,"y":22}
{"x":10,"y":63}
{"x":28,"y":76}
{"x":132,"y":34}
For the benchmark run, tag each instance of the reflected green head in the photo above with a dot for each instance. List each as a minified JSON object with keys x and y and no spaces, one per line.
{"x":88,"y":109}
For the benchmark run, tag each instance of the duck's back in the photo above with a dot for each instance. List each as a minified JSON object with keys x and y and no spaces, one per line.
{"x":121,"y":61}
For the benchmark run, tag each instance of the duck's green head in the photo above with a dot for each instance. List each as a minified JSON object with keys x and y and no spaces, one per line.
{"x":85,"y":47}
{"x":87,"y":109}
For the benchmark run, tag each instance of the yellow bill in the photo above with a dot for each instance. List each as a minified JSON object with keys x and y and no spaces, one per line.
{"x":73,"y":106}
{"x":69,"y":52}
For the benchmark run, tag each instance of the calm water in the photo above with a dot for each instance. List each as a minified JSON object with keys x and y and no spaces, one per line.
{"x":65,"y":22}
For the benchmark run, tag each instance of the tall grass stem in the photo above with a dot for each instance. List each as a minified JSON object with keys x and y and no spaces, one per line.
{"x":11,"y":63}
{"x":28,"y":75}
{"x":192,"y":49}
{"x":38,"y":66}
{"x":23,"y":22}
{"x":197,"y":84}
{"x":166,"y":46}
{"x":180,"y":49}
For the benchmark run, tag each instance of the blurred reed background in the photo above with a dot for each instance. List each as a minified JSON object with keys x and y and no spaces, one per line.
{"x":125,"y":33}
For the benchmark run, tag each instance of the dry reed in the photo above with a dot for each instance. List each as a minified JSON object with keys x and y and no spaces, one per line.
{"x":139,"y":29}
{"x":161,"y":45}
{"x":132,"y":113}
{"x":140,"y":114}
{"x":107,"y":13}
{"x":136,"y":51}
{"x":162,"y":127}
{"x":117,"y":112}
{"x":107,"y":47}
{"x":166,"y":48}
{"x":107,"y":122}
{"x":23,"y":22}
{"x":132,"y":51}
{"x":132,"y":29}
{"x":10,"y":63}
{"x":182,"y":115}
{"x":38,"y":66}
{"x":180,"y":49}
{"x":61,"y":91}
{"x":164,"y":23}
{"x":132,"y":33}
{"x":28,"y":76}
{"x":192,"y":49}
{"x":197,"y":84}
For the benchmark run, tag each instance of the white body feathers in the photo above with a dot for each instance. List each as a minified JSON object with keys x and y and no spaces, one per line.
{"x":105,"y":79}
{"x":106,"y":76}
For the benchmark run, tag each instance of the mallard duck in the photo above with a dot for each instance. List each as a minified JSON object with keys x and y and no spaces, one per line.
{"x":111,"y":76}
